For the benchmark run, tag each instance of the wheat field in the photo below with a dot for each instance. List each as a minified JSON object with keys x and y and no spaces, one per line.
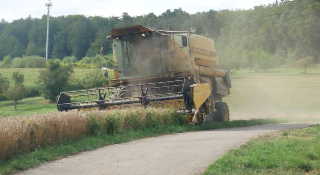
{"x":26,"y":133}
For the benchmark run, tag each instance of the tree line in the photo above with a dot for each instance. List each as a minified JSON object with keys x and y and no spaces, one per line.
{"x":262,"y":37}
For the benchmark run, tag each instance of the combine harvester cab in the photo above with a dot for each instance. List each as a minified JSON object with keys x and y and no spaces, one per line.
{"x":157,"y":68}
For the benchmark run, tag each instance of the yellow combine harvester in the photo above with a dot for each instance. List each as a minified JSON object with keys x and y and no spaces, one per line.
{"x":168,"y":69}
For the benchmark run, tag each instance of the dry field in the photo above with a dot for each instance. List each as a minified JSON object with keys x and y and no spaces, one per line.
{"x":287,"y":94}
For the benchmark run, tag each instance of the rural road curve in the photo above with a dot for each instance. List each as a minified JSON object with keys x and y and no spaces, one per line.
{"x":184,"y":153}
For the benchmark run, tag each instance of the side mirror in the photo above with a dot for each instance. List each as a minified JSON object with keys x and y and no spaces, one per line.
{"x":184,"y":41}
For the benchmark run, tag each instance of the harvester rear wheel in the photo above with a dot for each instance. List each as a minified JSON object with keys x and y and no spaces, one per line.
{"x":209,"y":114}
{"x":222,"y":113}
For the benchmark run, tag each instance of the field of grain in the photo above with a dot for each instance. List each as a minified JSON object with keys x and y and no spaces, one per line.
{"x":26,"y":133}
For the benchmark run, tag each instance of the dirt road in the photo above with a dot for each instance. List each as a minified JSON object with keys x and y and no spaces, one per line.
{"x":185,"y":153}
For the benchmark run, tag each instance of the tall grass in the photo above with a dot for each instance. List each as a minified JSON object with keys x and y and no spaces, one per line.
{"x":27,"y":133}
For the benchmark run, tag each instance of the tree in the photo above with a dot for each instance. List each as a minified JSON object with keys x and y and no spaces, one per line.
{"x":60,"y":49}
{"x":4,"y":83}
{"x":304,"y":62}
{"x":32,"y":49}
{"x":10,"y":46}
{"x":54,"y":79}
{"x":17,"y":91}
{"x":78,"y":41}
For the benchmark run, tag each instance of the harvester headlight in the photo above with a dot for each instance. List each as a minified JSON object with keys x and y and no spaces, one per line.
{"x":143,"y":35}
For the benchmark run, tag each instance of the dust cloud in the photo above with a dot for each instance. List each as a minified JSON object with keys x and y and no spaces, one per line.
{"x":268,"y":95}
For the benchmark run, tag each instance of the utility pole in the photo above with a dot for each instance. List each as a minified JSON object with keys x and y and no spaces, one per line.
{"x":49,"y":4}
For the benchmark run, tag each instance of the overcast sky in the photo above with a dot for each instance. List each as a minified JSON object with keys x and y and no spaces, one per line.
{"x":15,"y":9}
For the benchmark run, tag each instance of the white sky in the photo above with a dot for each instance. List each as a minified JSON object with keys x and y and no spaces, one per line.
{"x":15,"y":9}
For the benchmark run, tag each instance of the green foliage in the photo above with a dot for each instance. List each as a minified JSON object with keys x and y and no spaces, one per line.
{"x":304,"y":62}
{"x":10,"y":45}
{"x":68,"y":60}
{"x":32,"y":49}
{"x":15,"y":92}
{"x":96,"y":62}
{"x":78,"y":37}
{"x":60,"y":49}
{"x":18,"y":78}
{"x":91,"y":79}
{"x":6,"y":63}
{"x":54,"y":79}
{"x":4,"y":83}
{"x":19,"y":63}
{"x":27,"y":62}
{"x":35,"y":62}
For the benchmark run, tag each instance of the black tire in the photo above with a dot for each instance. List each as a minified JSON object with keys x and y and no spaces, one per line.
{"x":222,"y":113}
{"x":210,"y":116}
{"x":63,"y":98}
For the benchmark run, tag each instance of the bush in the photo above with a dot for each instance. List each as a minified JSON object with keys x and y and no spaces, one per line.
{"x":95,"y":62}
{"x":57,"y":60}
{"x":19,"y":63}
{"x":33,"y":91}
{"x":54,"y":79}
{"x":82,"y":66}
{"x":68,"y":60}
{"x":35,"y":62}
{"x":91,"y":79}
{"x":98,"y":62}
{"x":6,"y":63}
{"x":29,"y":62}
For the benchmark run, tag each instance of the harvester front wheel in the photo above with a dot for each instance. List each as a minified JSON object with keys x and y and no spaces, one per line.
{"x":222,"y":113}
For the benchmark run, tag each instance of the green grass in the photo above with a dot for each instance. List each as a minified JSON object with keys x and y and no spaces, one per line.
{"x":36,"y":105}
{"x":33,"y":159}
{"x":295,"y":151}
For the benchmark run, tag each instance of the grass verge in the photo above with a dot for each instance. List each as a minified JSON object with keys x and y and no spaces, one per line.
{"x":97,"y":139}
{"x":36,"y":105}
{"x":294,"y":151}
